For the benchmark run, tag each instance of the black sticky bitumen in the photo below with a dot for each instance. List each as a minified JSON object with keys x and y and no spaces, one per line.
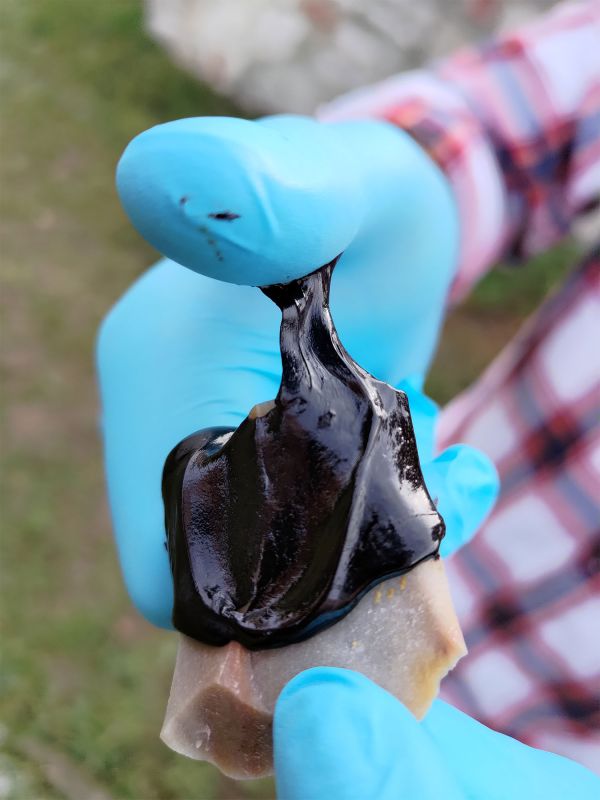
{"x":276,"y":529}
{"x":226,"y":216}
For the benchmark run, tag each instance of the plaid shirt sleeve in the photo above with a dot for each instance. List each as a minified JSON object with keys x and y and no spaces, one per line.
{"x":527,"y":587}
{"x":515,"y":125}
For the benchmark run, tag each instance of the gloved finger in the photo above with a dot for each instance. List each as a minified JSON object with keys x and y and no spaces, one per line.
{"x":465,"y":483}
{"x":264,"y":202}
{"x":242,"y":201}
{"x":177,"y":353}
{"x":339,"y":736}
{"x":268,"y":201}
{"x":491,"y":766}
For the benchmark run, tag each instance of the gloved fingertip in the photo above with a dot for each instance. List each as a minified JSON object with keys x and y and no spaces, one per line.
{"x":467,"y":484}
{"x":339,"y":735}
{"x":326,"y":736}
{"x":322,"y":678}
{"x":234,"y":199}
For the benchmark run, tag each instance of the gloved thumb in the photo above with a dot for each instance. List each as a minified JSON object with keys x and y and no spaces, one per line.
{"x":339,"y":736}
{"x":241,"y":201}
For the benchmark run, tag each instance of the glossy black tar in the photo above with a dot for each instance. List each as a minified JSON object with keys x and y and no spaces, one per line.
{"x":276,"y":529}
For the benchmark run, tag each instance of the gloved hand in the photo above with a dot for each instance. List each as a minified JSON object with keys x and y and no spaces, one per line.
{"x":258,"y":203}
{"x":338,"y":736}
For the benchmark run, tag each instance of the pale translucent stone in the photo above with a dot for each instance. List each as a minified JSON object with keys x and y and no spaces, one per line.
{"x":403,"y":635}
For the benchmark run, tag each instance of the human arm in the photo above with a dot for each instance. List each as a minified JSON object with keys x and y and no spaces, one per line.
{"x":515,"y":125}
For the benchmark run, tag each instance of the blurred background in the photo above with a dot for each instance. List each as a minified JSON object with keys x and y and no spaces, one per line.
{"x":84,"y":679}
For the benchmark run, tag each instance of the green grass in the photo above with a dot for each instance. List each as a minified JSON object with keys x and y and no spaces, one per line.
{"x":81,"y":673}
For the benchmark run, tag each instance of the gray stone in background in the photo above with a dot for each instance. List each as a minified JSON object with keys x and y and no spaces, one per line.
{"x":291,"y":55}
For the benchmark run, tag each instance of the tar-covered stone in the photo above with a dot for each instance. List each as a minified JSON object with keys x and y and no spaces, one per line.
{"x":276,"y":529}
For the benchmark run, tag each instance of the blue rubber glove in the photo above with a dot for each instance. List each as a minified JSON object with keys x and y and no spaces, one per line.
{"x":338,"y":736}
{"x":181,"y":351}
{"x":256,"y":203}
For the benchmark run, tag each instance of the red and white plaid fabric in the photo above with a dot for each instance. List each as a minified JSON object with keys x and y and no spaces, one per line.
{"x":527,"y":588}
{"x":515,"y":124}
